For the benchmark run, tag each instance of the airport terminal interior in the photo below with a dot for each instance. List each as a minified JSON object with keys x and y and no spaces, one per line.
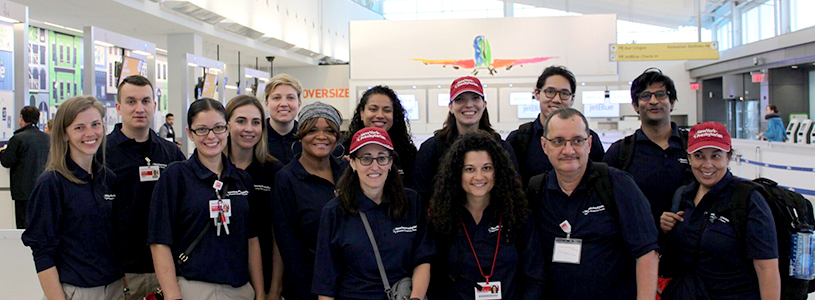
{"x":729,"y":59}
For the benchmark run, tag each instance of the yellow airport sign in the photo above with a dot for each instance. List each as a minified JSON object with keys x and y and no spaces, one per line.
{"x":666,"y":51}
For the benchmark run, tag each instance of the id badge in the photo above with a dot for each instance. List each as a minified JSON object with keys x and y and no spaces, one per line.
{"x":567,"y":251}
{"x":216,"y":206}
{"x":491,"y":291}
{"x":149,"y":173}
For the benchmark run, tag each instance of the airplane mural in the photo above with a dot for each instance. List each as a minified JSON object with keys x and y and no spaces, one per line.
{"x":483,"y":59}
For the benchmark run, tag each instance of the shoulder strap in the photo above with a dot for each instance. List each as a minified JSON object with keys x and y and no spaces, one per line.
{"x":626,"y":154}
{"x":523,"y":138}
{"x":677,"y":199}
{"x":738,"y":206}
{"x":184,"y":256}
{"x":376,"y":253}
{"x":683,"y":132}
{"x":600,"y":181}
{"x":535,"y":189}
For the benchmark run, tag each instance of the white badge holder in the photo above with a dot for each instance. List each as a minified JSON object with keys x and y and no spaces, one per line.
{"x":567,"y":250}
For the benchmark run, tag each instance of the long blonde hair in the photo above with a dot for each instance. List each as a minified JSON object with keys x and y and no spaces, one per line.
{"x":260,"y":149}
{"x":59,"y":146}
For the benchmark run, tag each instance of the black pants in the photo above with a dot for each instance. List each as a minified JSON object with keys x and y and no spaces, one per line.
{"x":19,"y":211}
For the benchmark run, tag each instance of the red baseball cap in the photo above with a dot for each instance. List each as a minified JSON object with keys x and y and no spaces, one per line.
{"x":466,"y":84}
{"x":370,"y":135}
{"x":708,"y":135}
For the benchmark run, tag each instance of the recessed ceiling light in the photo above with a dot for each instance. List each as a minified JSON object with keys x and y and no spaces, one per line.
{"x":582,"y":83}
{"x":795,"y":67}
{"x":439,"y":86}
{"x":511,"y":85}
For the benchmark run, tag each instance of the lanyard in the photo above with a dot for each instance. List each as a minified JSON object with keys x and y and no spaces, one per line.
{"x":494,"y":257}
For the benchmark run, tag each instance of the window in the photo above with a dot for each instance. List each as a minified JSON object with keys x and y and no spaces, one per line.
{"x":441,"y":9}
{"x":723,"y":36}
{"x":521,"y":10}
{"x":801,"y":14}
{"x":632,"y":32}
{"x":758,"y":23}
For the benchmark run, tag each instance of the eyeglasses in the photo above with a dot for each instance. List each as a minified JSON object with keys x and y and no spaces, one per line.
{"x":550,"y":93}
{"x":380,"y":160}
{"x":646,"y":96}
{"x":560,"y":142}
{"x":203,"y":131}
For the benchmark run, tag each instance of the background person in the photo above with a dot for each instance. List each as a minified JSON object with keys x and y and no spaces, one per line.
{"x":478,"y":206}
{"x":70,"y":217}
{"x":701,"y":240}
{"x":776,"y":132}
{"x":246,"y":148}
{"x":166,"y":131}
{"x":380,"y":107}
{"x":25,"y":154}
{"x":283,"y":102}
{"x":227,"y":257}
{"x":302,"y":189}
{"x":345,"y":266}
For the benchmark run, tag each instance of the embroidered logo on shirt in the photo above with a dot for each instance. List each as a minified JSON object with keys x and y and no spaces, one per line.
{"x":237,"y":193}
{"x":683,"y":161}
{"x":594,"y":210}
{"x":263,"y":188}
{"x":494,"y":229}
{"x":404,"y":229}
{"x":714,"y":217}
{"x":162,"y":166}
{"x":110,"y":197}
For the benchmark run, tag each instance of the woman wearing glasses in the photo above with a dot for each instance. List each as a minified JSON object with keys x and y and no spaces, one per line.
{"x":468,"y":112}
{"x":246,"y":148}
{"x":346,"y":267}
{"x":301,"y":190}
{"x":482,"y":226}
{"x":380,"y":107}
{"x":200,"y":230}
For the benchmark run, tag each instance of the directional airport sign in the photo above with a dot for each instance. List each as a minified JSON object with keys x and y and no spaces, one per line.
{"x":667,"y":51}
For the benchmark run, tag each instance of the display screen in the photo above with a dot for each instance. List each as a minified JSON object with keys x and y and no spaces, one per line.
{"x":209,"y":86}
{"x":601,"y":110}
{"x":130,"y":66}
{"x":261,"y":89}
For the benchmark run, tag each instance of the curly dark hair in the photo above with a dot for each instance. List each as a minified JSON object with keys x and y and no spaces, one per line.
{"x":400,"y":130}
{"x":449,"y":198}
{"x":348,"y":189}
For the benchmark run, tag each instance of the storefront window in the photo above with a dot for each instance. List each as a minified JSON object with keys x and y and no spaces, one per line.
{"x":801,"y":14}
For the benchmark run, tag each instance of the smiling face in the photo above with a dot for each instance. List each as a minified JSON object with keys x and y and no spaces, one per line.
{"x":85,"y":133}
{"x":567,"y":158}
{"x":246,"y":126}
{"x":283,"y":103}
{"x":211,"y":144}
{"x":319,"y":142}
{"x":653,"y":110}
{"x":549,"y":105}
{"x":477,"y":174}
{"x":468,"y":109}
{"x":709,"y":165}
{"x":373,"y":176}
{"x":378,"y":112}
{"x":136,"y":105}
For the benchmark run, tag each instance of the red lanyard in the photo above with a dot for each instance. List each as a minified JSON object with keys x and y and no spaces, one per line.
{"x":494,"y":257}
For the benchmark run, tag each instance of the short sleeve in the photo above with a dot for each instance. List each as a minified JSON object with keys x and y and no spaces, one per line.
{"x":43,"y":215}
{"x":597,"y":150}
{"x":761,"y":235}
{"x":636,"y":221}
{"x":163,"y":207}
{"x":611,"y":157}
{"x":532,"y":261}
{"x":326,"y":262}
{"x":424,"y":247}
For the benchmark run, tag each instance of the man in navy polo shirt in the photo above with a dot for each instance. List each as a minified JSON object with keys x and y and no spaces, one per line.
{"x":138,"y":156}
{"x":595,"y":253}
{"x":658,"y":162}
{"x":555,"y":89}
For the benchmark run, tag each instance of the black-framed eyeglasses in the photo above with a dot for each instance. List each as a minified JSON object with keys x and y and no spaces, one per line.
{"x":646,"y":96}
{"x":380,"y":160}
{"x":203,"y":131}
{"x":560,"y":142}
{"x":551,"y":93}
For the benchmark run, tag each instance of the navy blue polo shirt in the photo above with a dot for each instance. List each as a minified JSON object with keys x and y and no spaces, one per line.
{"x":180,"y":210}
{"x":124,"y":156}
{"x":519,"y":265}
{"x":724,"y":264}
{"x":263,"y":175}
{"x":298,"y":200}
{"x":536,"y":162}
{"x":71,"y":226}
{"x":283,"y":147}
{"x":610,"y":245}
{"x":427,"y":164}
{"x":658,"y":172}
{"x":346,"y":266}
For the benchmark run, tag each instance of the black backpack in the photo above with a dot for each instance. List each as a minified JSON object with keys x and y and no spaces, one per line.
{"x":599,"y":182}
{"x":791,"y":212}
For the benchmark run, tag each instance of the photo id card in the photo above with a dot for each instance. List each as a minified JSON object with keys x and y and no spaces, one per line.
{"x":215,"y":207}
{"x":149,"y":173}
{"x":491,"y":291}
{"x":567,"y":251}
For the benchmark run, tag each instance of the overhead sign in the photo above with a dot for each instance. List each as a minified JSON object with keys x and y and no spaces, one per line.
{"x":594,"y":97}
{"x":667,"y":51}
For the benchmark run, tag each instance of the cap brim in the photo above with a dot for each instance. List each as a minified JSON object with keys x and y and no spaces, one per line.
{"x":453,"y":97}
{"x":389,"y":147}
{"x":710,"y":144}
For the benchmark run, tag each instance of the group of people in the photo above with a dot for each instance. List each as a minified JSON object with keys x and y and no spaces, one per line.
{"x":286,"y":206}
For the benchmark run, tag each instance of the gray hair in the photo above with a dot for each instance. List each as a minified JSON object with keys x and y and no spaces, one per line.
{"x":563,"y":114}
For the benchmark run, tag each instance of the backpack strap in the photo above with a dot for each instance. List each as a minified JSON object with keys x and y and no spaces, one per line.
{"x":683,"y":133}
{"x":626,"y":154}
{"x":521,"y":142}
{"x":677,"y":199}
{"x":600,"y":182}
{"x":738,"y":207}
{"x":535,"y":189}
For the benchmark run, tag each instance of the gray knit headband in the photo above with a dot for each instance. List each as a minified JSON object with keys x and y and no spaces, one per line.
{"x":319,"y":110}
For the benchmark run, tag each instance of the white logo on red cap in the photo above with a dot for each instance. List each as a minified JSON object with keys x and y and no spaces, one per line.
{"x":707,"y":133}
{"x":466,"y":81}
{"x":370,"y":134}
